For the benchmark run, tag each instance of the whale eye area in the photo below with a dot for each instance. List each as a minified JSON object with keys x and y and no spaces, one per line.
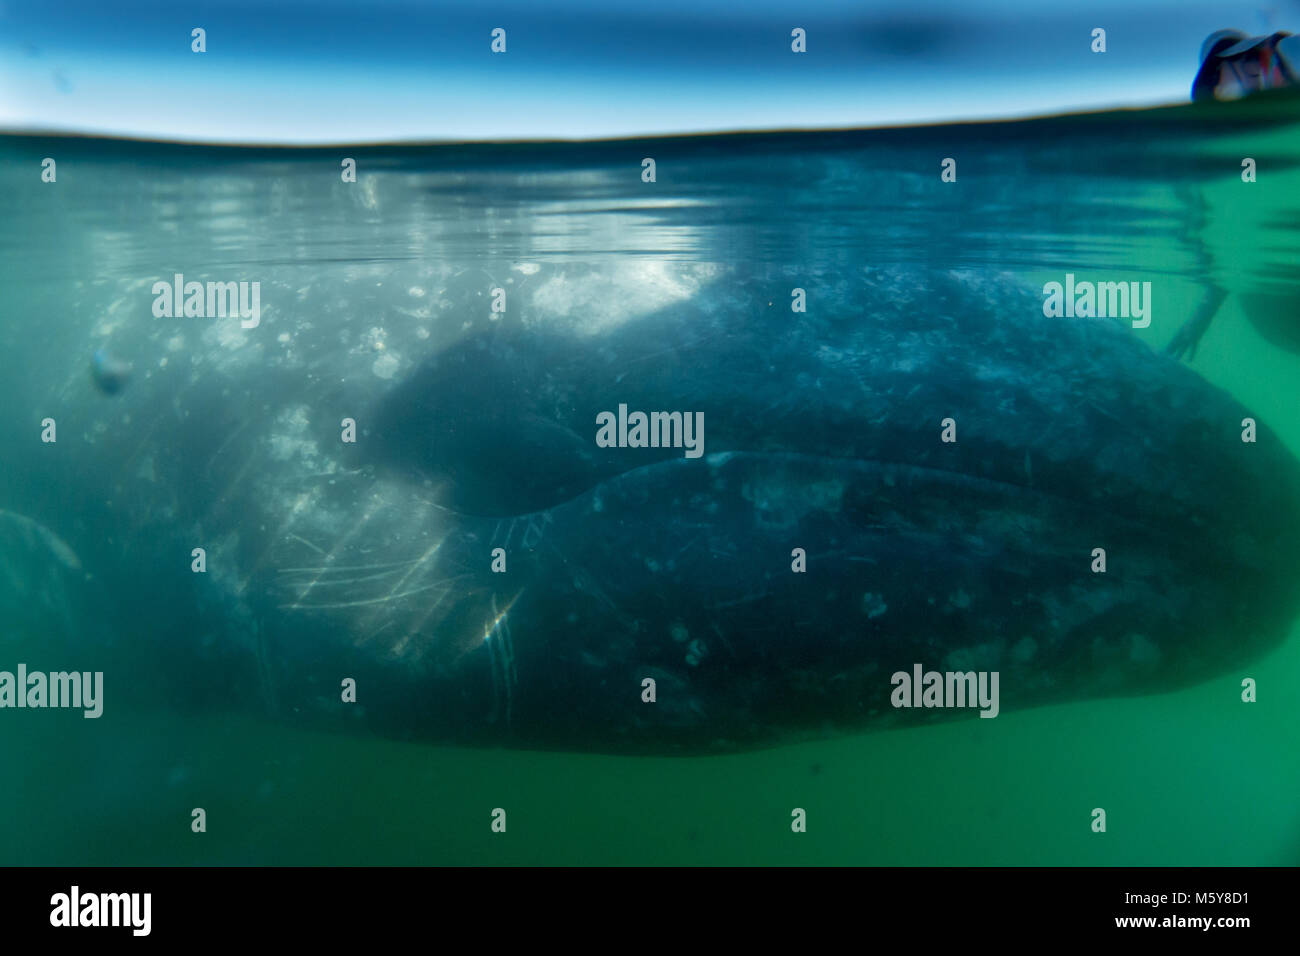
{"x":481,"y":425}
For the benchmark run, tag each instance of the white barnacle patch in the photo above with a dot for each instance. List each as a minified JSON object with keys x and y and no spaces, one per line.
{"x":386,"y":365}
{"x":873,"y":605}
{"x":679,"y":632}
{"x":228,"y":335}
{"x":291,"y":438}
{"x":593,"y":303}
{"x":959,"y":599}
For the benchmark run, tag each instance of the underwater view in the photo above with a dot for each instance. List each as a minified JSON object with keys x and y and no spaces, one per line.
{"x":687,"y":435}
{"x":629,"y":491}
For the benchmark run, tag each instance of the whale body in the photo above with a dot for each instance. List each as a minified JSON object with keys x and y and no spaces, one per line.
{"x":486,"y":573}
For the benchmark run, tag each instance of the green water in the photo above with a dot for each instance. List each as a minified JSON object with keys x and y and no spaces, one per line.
{"x":1194,"y":777}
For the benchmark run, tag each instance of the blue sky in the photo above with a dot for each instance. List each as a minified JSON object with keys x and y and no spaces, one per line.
{"x":290,"y":71}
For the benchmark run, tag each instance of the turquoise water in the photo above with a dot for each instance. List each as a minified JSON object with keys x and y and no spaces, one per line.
{"x":1190,"y":777}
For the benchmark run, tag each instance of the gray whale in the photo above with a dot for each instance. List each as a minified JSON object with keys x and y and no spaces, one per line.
{"x":373,"y":560}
